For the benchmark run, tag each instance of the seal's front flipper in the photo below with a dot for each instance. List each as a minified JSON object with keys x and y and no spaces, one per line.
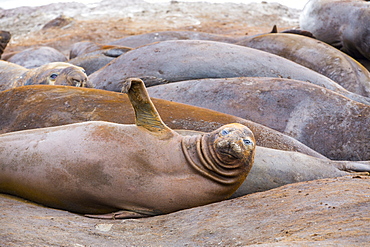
{"x":145,"y":111}
{"x":123,"y":214}
{"x":353,"y":166}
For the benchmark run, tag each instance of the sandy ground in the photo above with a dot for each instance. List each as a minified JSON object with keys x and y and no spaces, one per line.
{"x":112,"y":20}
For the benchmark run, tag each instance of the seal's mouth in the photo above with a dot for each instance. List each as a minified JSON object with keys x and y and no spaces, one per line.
{"x":230,"y":149}
{"x":229,"y":154}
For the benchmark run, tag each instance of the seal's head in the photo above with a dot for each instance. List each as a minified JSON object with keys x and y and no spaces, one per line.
{"x":233,"y":144}
{"x":225,"y":155}
{"x":58,"y":73}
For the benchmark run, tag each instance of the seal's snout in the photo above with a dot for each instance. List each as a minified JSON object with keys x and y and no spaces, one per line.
{"x":77,"y":78}
{"x":231,"y":149}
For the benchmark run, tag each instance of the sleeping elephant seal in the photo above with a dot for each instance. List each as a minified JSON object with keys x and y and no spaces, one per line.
{"x":274,"y":168}
{"x":92,"y":57}
{"x":325,"y":121}
{"x":125,"y":171}
{"x":135,"y":41}
{"x":37,"y":56}
{"x":343,"y":24}
{"x":316,"y":55}
{"x":178,"y":60}
{"x":88,"y":47}
{"x":57,"y":73}
{"x":40,"y":106}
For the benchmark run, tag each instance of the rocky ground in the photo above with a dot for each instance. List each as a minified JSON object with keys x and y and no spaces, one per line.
{"x":329,"y":212}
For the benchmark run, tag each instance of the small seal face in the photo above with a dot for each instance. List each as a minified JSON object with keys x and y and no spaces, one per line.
{"x":234,"y":143}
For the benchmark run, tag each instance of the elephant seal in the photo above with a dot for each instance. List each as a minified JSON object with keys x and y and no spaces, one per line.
{"x":88,"y":47}
{"x":57,"y":73}
{"x":135,"y":41}
{"x":125,"y":171}
{"x":337,"y":23}
{"x":160,"y":63}
{"x":325,"y":121}
{"x":315,"y":55}
{"x":32,"y":107}
{"x":5,"y":37}
{"x":37,"y":56}
{"x":92,"y":57}
{"x":274,"y":168}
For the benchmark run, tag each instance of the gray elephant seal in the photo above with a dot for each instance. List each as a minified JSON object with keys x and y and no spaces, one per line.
{"x":204,"y":59}
{"x":340,"y":23}
{"x":125,"y":170}
{"x":325,"y":121}
{"x":58,"y":73}
{"x":316,"y":55}
{"x":37,"y":56}
{"x":92,"y":56}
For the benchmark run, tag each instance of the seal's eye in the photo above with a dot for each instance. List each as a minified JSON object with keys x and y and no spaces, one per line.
{"x":247,"y":142}
{"x":225,"y":132}
{"x":53,"y":76}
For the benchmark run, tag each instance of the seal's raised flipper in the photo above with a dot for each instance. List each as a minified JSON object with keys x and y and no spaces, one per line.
{"x":274,"y":29}
{"x":146,"y":114}
{"x":123,"y":214}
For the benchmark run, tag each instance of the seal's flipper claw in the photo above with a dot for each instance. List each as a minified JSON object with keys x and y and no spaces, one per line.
{"x":145,"y":112}
{"x":123,"y":214}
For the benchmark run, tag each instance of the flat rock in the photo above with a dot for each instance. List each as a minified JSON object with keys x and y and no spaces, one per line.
{"x":323,"y":212}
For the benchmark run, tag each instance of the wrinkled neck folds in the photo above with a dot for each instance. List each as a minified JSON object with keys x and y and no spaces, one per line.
{"x":200,"y":154}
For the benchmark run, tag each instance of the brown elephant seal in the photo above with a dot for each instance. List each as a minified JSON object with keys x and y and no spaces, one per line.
{"x":159,"y":63}
{"x":337,"y":23}
{"x":5,"y":37}
{"x":126,"y":171}
{"x":40,"y":106}
{"x":315,"y":55}
{"x":57,"y":73}
{"x":37,"y":56}
{"x":325,"y":121}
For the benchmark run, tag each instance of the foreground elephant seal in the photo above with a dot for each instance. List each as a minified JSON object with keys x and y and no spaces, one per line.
{"x":341,"y":23}
{"x":144,"y":169}
{"x":57,"y":73}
